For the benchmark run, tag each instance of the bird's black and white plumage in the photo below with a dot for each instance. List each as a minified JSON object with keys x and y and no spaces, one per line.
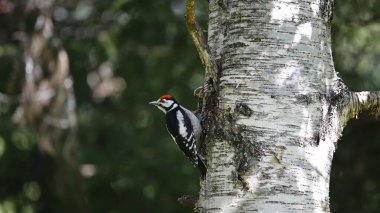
{"x":184,"y":127}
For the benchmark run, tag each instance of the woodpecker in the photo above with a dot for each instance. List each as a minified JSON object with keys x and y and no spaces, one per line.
{"x":184,"y":127}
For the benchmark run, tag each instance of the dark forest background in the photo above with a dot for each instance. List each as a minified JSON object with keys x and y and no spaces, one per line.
{"x":77,"y":134}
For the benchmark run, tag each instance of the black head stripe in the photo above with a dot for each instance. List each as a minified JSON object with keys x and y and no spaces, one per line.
{"x":172,"y":106}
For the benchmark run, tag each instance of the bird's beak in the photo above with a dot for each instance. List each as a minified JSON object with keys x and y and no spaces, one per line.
{"x":154,"y":103}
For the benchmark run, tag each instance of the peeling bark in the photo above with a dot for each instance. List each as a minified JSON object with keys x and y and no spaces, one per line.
{"x":273,"y":124}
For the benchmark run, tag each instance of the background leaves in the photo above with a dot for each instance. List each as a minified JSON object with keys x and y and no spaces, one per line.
{"x":125,"y":53}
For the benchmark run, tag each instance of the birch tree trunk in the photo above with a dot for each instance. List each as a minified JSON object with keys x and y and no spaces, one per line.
{"x":279,"y":107}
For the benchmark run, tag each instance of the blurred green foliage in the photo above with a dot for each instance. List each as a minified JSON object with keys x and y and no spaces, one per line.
{"x":128,"y":161}
{"x":355,"y":176}
{"x":356,"y":38}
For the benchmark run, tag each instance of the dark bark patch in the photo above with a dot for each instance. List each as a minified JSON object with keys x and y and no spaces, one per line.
{"x":221,"y":125}
{"x":237,"y":45}
{"x":225,"y":128}
{"x":304,"y":99}
{"x":316,"y":138}
{"x":243,"y":182}
{"x":336,"y":100}
{"x":326,"y":8}
{"x":208,"y":103}
{"x":223,"y":4}
{"x":243,"y":109}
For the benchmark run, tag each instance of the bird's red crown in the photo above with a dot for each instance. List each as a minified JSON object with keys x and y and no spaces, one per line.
{"x":166,"y":97}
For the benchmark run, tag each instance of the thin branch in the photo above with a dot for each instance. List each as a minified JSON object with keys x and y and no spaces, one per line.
{"x":188,"y":200}
{"x":369,"y":100}
{"x":359,"y":102}
{"x":200,"y":43}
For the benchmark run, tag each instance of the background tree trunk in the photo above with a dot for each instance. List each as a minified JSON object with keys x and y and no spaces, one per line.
{"x":279,"y":109}
{"x":46,"y":109}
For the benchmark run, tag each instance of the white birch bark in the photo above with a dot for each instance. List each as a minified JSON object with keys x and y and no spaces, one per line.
{"x":280,"y":107}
